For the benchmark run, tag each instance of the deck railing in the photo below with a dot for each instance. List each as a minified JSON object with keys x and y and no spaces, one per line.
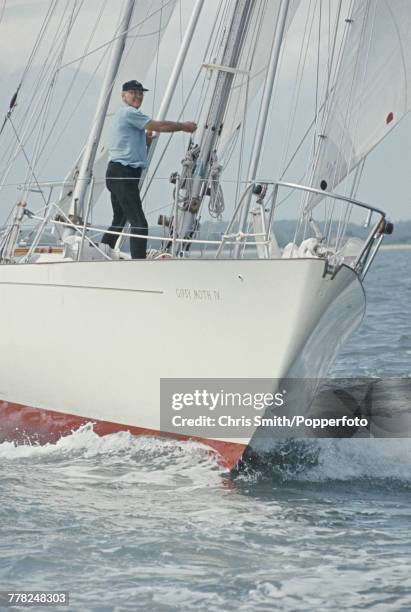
{"x":330,"y":232}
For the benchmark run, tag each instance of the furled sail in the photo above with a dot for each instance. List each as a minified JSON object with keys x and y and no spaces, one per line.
{"x":149,"y":22}
{"x":372,"y":91}
{"x":253,"y":65}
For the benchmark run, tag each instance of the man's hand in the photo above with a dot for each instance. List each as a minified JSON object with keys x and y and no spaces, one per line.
{"x":189,"y":126}
{"x":149,"y":137}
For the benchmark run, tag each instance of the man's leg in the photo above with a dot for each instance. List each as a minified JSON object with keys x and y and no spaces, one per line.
{"x":122,"y":182}
{"x":115,"y":186}
{"x":133,"y":210}
{"x":117,"y":224}
{"x":138,"y":225}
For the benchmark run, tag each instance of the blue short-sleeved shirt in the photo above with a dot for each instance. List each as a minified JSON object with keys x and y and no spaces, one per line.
{"x":127,"y":139}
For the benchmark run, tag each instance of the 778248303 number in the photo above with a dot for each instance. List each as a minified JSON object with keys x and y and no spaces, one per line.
{"x":33,"y":598}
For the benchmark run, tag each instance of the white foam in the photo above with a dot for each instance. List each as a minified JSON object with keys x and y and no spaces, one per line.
{"x":86,"y":443}
{"x":338,"y":459}
{"x":347,"y":459}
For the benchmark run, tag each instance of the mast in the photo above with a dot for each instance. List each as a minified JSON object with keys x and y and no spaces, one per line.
{"x":263,"y":116}
{"x":219,"y":99}
{"x":87,"y":162}
{"x":199,"y":159}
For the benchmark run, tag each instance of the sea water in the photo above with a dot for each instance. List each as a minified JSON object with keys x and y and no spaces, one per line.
{"x":127,"y":523}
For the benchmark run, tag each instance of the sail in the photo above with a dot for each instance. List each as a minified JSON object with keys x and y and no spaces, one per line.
{"x":149,"y":22}
{"x":372,"y":91}
{"x":253,"y":65}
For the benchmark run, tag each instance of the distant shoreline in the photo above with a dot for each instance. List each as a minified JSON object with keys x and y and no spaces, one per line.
{"x":395,"y":247}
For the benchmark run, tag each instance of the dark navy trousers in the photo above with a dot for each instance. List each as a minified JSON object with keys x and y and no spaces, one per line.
{"x":123,"y":185}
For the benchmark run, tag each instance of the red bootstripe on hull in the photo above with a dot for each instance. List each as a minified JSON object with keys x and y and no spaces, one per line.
{"x":23,"y":424}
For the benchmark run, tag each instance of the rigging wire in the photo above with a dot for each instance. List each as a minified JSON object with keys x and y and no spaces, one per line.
{"x":157,"y":64}
{"x":313,"y":148}
{"x":149,"y":182}
{"x":30,"y":120}
{"x":157,"y":61}
{"x":273,"y":93}
{"x":335,"y":63}
{"x":183,"y":139}
{"x":217,"y":31}
{"x":40,"y":78}
{"x":32,"y":56}
{"x":314,"y":124}
{"x":242,"y":83}
{"x":236,"y":94}
{"x":41,"y":34}
{"x":350,"y":100}
{"x":330,"y":90}
{"x":41,"y":123}
{"x":317,"y":74}
{"x":214,"y":42}
{"x":28,"y":163}
{"x":136,"y":36}
{"x":42,"y":127}
{"x":107,"y":48}
{"x":351,"y":162}
{"x":43,"y":29}
{"x":263,"y":9}
{"x":115,"y":37}
{"x":325,"y":104}
{"x":302,"y":60}
{"x":348,"y":103}
{"x":127,"y":31}
{"x":332,"y":43}
{"x":70,"y":88}
{"x":2,"y":10}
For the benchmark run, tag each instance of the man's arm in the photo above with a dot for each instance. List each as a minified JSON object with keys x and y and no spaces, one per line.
{"x":171,"y":126}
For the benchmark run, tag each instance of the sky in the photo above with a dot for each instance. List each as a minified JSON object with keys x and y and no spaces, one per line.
{"x":387,"y":176}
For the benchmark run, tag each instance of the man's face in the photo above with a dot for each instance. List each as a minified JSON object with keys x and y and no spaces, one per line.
{"x":133,"y":98}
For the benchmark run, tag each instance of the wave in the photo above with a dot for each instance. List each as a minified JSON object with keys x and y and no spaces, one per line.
{"x":128,"y":457}
{"x":348,"y":459}
{"x":153,"y":458}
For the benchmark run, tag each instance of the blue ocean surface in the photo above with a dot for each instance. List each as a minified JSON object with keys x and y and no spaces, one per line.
{"x":127,"y":523}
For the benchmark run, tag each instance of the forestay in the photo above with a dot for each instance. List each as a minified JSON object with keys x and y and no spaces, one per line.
{"x":148,"y":25}
{"x":372,"y":91}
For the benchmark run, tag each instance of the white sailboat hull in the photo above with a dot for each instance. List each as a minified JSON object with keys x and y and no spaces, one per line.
{"x":90,"y":341}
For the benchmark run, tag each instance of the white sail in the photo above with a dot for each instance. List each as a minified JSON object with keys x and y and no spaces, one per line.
{"x":148,"y":25}
{"x":372,"y":91}
{"x":253,"y":64}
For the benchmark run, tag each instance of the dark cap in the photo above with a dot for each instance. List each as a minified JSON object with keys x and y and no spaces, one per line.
{"x":133,"y":86}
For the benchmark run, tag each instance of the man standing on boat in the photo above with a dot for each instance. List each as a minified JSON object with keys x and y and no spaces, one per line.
{"x":131,"y":132}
